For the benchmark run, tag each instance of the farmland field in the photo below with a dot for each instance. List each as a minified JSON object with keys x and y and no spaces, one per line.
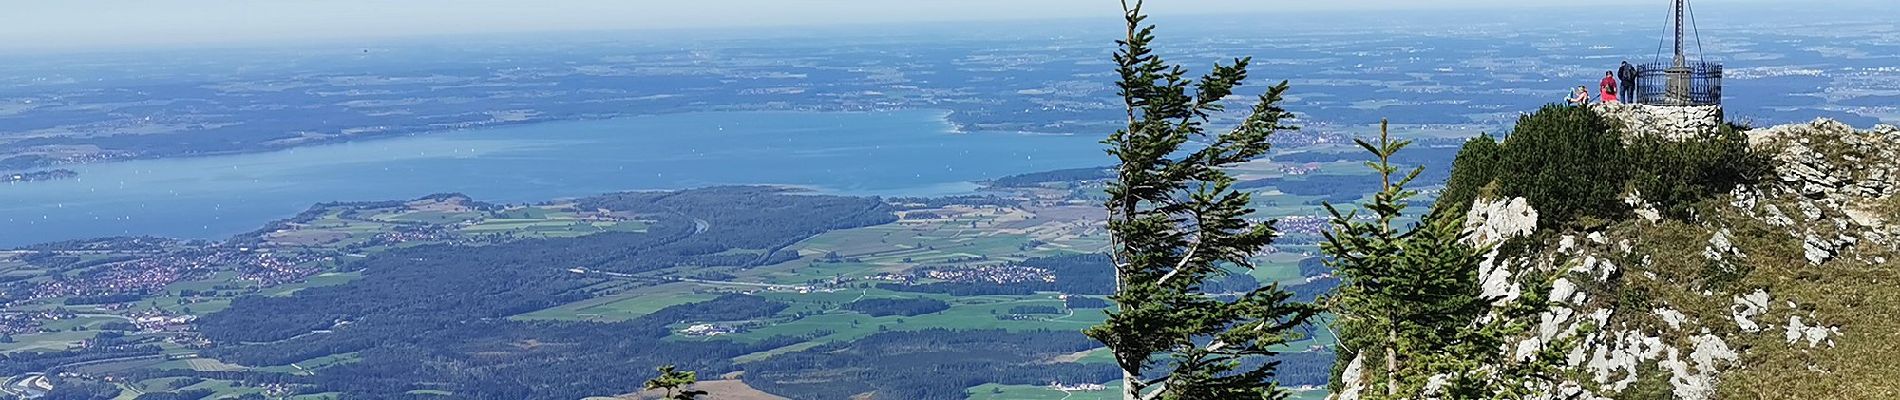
{"x":1112,"y":391}
{"x":622,"y":306}
{"x":965,"y":312}
{"x":54,"y":341}
{"x":830,"y":269}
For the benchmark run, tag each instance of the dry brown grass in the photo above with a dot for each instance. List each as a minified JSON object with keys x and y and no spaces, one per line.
{"x":727,"y":388}
{"x":1890,"y":209}
{"x":1073,"y":357}
{"x":1858,"y":296}
{"x":447,"y":206}
{"x":306,"y":237}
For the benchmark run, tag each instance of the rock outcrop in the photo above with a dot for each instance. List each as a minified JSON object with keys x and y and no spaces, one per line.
{"x":1673,"y":122}
{"x":1682,"y":304}
{"x":1490,"y":223}
{"x":1840,"y":182}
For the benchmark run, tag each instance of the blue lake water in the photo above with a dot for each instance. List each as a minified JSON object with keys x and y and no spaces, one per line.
{"x":887,"y":153}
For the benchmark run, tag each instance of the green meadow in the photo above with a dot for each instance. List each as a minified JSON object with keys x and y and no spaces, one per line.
{"x":628,"y":304}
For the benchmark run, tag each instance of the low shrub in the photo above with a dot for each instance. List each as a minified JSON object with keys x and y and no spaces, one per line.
{"x":1676,"y":174}
{"x":1475,"y":167}
{"x":1574,"y":168}
{"x":1568,"y":162}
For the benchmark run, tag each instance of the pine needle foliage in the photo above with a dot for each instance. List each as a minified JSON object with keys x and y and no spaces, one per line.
{"x":1411,"y":300}
{"x":1475,"y":167}
{"x":676,"y":383}
{"x":1176,"y":222}
{"x":1569,"y":162}
{"x":1406,"y":291}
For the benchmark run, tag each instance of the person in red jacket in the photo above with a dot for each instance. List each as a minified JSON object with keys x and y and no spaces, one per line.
{"x":1608,"y":89}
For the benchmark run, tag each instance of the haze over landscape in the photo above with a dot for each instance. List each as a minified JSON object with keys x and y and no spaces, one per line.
{"x":843,"y":199}
{"x":82,"y":24}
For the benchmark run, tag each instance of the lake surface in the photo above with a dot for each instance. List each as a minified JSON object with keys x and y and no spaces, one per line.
{"x":888,"y":153}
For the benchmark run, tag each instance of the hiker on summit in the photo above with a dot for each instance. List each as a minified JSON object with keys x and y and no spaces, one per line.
{"x":1608,"y":87}
{"x":1579,"y":96}
{"x":1627,"y":74}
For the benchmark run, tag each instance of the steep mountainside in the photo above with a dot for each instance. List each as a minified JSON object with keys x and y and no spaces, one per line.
{"x":1781,"y":288}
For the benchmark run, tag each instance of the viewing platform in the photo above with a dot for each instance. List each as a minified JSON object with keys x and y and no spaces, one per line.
{"x":1680,"y":98}
{"x":1687,"y":83}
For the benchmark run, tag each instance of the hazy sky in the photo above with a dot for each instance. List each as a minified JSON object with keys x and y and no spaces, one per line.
{"x":58,"y":24}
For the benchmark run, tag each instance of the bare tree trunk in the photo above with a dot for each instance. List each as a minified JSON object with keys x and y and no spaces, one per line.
{"x":1130,"y":389}
{"x":1392,"y":361}
{"x":1391,"y":321}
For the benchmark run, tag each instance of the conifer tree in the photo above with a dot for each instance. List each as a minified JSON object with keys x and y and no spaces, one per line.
{"x":1411,"y":299}
{"x":1474,"y":168}
{"x":675,"y":383}
{"x":1176,"y":222}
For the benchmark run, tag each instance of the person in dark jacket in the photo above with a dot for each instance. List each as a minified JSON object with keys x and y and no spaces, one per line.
{"x":1627,"y":75}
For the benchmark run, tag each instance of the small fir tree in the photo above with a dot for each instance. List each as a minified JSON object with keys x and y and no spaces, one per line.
{"x":1176,"y":223}
{"x":1412,"y":298}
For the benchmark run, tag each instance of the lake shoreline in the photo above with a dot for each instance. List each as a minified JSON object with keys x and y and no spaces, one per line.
{"x":945,"y":114}
{"x":891,"y":154}
{"x":39,"y":176}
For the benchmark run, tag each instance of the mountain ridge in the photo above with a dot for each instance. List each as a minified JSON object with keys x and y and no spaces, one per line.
{"x":1770,"y":290}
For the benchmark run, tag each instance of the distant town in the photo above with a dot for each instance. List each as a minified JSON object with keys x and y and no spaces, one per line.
{"x":37,"y":176}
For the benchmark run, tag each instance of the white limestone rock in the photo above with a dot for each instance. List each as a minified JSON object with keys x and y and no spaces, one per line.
{"x":1435,"y":385}
{"x":1494,"y":277}
{"x":1865,"y":218}
{"x":1776,"y":217}
{"x":1854,"y":164}
{"x":1697,"y":381}
{"x":1562,"y":289}
{"x":1818,"y":250}
{"x":1608,"y":269}
{"x":1672,"y":317}
{"x":1815,"y":335}
{"x":1743,"y":197}
{"x":1642,"y":208}
{"x":1351,"y":386}
{"x":1491,"y":222}
{"x":1527,"y":348}
{"x":1670,"y":122}
{"x":1599,"y":269}
{"x":1711,"y":353}
{"x":1809,"y":210}
{"x":1747,"y":307}
{"x":1720,"y":247}
{"x":1613,"y":364}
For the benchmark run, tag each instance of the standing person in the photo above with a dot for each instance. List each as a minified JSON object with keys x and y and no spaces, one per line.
{"x":1608,"y":87}
{"x":1627,"y":74}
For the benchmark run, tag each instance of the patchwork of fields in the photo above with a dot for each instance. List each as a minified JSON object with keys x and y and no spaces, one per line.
{"x":814,"y":278}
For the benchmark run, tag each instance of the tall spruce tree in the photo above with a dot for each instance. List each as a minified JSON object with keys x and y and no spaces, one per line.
{"x":1176,"y":222}
{"x":1411,"y":300}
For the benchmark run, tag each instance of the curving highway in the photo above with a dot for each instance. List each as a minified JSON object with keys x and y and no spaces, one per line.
{"x":29,"y":386}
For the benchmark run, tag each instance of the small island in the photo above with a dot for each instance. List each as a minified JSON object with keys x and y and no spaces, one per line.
{"x":38,"y":176}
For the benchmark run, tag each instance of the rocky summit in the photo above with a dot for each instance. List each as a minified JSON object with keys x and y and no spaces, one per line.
{"x":1777,"y":289}
{"x":1674,"y":122}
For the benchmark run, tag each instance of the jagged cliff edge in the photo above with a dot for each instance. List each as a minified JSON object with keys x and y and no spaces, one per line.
{"x":1782,"y":290}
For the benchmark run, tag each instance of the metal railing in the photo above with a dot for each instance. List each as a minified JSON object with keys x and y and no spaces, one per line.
{"x":1695,"y":83}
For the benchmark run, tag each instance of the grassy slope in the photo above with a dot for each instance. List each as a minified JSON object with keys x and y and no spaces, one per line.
{"x":1858,"y":297}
